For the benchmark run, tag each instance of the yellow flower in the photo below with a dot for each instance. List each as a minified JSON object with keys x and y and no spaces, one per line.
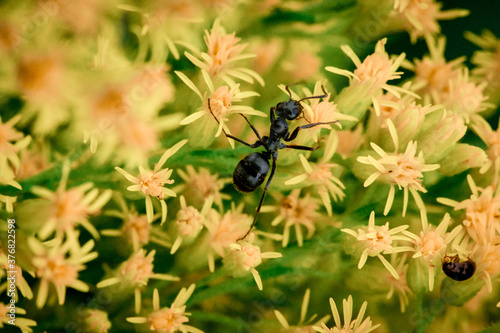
{"x":136,"y":272}
{"x":70,"y":207}
{"x":492,"y":140}
{"x":487,"y":62}
{"x":402,"y":169}
{"x":21,"y":323}
{"x":320,"y":175}
{"x":151,"y":182}
{"x":431,"y":243}
{"x":94,"y":321}
{"x":357,"y":325}
{"x":419,"y":17}
{"x":59,"y":263}
{"x":374,"y":72}
{"x":224,"y":230}
{"x":221,"y":104}
{"x":303,"y":325}
{"x":295,"y":212}
{"x":222,"y":51}
{"x":375,"y":240}
{"x":11,"y":143}
{"x":201,"y":186}
{"x":189,"y":223}
{"x":482,"y":211}
{"x":168,"y":319}
{"x":136,"y":228}
{"x":20,"y":281}
{"x":243,"y":257}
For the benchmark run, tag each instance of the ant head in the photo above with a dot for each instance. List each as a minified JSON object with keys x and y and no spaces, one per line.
{"x":292,"y":109}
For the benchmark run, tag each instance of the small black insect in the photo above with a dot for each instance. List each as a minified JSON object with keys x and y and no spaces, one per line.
{"x":252,"y":170}
{"x":458,"y":271}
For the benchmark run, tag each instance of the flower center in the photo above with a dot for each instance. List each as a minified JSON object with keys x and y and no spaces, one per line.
{"x":167,"y":320}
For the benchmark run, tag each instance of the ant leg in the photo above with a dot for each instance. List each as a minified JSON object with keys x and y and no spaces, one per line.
{"x":298,"y":147}
{"x":255,"y":145}
{"x":252,"y":127}
{"x":271,"y":176}
{"x":297,"y":129}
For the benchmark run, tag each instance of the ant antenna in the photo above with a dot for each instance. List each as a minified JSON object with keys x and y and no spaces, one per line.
{"x":311,"y":97}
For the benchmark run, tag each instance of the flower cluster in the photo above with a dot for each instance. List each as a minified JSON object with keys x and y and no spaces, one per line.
{"x":125,"y":124}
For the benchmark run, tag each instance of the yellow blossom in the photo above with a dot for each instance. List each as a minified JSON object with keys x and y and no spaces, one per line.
{"x":223,"y":50}
{"x":420,"y":17}
{"x":70,"y":207}
{"x":295,"y":212}
{"x":320,"y":176}
{"x":357,"y":325}
{"x":221,"y":104}
{"x":136,"y":272}
{"x":303,"y":325}
{"x":21,"y":323}
{"x":201,"y":186}
{"x":20,"y":282}
{"x":59,"y":264}
{"x":224,"y":230}
{"x":402,"y":169}
{"x":168,"y":319}
{"x":244,"y":256}
{"x":136,"y":228}
{"x":431,"y":243}
{"x":189,"y":222}
{"x":151,"y":182}
{"x":375,"y":240}
{"x":482,"y":211}
{"x":374,"y":72}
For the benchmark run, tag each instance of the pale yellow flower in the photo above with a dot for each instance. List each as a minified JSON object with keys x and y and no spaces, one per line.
{"x":420,"y":17}
{"x":295,"y":211}
{"x":242,"y":257}
{"x":482,"y":212}
{"x":11,"y":143}
{"x":223,"y":50}
{"x":136,"y":272}
{"x":59,"y":263}
{"x":320,"y":175}
{"x":402,"y":169}
{"x":303,"y":326}
{"x":94,"y":321}
{"x":136,"y":228}
{"x":224,"y":230}
{"x":189,"y":222}
{"x":70,"y":207}
{"x":357,"y":325}
{"x":20,"y":282}
{"x":374,"y":72}
{"x":221,"y":104}
{"x":151,"y":182}
{"x":201,"y":186}
{"x":21,"y":323}
{"x":487,"y":62}
{"x":375,"y":240}
{"x":168,"y":319}
{"x":431,"y":243}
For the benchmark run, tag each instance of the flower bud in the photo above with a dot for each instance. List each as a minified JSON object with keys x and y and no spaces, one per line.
{"x":417,"y":276}
{"x":94,"y":321}
{"x":354,"y":101}
{"x":441,"y":130}
{"x":462,"y":157}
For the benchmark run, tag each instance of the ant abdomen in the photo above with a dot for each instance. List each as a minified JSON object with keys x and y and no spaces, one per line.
{"x":251,"y":172}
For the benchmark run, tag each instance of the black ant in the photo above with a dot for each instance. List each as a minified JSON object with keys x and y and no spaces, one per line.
{"x":252,"y":170}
